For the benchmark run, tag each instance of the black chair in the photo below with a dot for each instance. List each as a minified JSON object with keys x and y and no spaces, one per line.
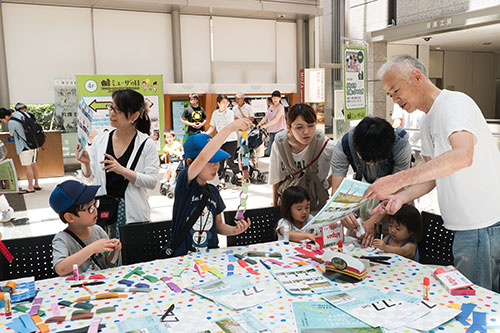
{"x":261,"y":230}
{"x":435,"y":247}
{"x":32,"y":257}
{"x":142,"y":242}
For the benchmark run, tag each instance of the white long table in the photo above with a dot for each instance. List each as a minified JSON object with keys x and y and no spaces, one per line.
{"x":196,"y":313}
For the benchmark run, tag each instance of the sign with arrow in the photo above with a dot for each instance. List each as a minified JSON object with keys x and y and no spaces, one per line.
{"x":96,"y":91}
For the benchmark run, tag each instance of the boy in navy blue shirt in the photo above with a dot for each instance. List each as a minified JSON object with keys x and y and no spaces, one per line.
{"x":202,"y":156}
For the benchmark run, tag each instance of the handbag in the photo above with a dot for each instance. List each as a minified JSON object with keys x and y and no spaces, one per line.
{"x":107,"y":213}
{"x":168,"y":250}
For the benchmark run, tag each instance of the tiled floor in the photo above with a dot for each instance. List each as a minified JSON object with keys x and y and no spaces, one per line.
{"x":40,"y":219}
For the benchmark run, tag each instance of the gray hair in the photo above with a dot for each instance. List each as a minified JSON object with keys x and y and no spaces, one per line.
{"x":404,"y":64}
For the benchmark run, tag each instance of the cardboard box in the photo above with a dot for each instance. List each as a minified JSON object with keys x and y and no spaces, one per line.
{"x":454,"y":281}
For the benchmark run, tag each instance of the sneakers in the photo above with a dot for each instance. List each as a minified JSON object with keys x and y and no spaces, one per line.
{"x":6,"y":215}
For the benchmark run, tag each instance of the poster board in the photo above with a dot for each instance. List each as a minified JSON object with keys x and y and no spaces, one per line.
{"x":96,"y":91}
{"x":354,"y":79}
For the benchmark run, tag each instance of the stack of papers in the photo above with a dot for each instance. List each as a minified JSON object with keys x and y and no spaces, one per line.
{"x":321,"y":316}
{"x":303,"y":280}
{"x":235,"y":292}
{"x":392,"y":311}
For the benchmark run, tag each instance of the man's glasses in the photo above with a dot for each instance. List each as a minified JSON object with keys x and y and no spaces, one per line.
{"x":110,"y":108}
{"x":92,"y":208}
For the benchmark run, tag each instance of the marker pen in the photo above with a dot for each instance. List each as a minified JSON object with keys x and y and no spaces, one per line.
{"x":75,"y":272}
{"x":426,"y":288}
{"x":8,"y":307}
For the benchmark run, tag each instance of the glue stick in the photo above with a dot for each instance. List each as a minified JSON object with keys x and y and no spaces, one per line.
{"x":361,"y":229}
{"x":75,"y":272}
{"x":8,"y":308}
{"x":286,"y":234}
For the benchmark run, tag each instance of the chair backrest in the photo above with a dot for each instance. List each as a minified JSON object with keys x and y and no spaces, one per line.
{"x":143,"y":241}
{"x":262,"y":227}
{"x":32,"y":257}
{"x":436,"y":245}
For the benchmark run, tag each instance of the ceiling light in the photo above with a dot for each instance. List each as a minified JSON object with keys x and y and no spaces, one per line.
{"x":438,"y":48}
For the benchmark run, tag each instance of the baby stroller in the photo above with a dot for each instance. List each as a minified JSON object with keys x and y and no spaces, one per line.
{"x":256,"y":138}
{"x":166,"y":186}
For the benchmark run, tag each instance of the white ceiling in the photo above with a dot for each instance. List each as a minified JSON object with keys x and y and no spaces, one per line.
{"x":471,"y":39}
{"x":268,"y":9}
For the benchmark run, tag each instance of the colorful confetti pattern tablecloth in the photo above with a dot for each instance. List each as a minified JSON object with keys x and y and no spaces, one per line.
{"x":197,"y":314}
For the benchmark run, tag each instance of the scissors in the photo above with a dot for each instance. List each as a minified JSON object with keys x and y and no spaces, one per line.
{"x":378,"y":259}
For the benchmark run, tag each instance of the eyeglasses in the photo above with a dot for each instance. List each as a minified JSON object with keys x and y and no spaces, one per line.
{"x":110,"y":108}
{"x":92,"y":208}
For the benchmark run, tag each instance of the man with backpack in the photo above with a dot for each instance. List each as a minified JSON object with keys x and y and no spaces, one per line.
{"x":27,"y":137}
{"x":373,"y":149}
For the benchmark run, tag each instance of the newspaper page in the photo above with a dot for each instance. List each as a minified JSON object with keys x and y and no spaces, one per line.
{"x":347,"y":199}
{"x":8,"y":177}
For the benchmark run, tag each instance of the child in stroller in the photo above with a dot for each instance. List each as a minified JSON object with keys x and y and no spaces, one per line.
{"x":255,"y":140}
{"x":172,"y":161}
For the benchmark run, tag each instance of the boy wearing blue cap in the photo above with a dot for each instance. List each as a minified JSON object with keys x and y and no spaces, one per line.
{"x":202,"y":156}
{"x":82,"y":242}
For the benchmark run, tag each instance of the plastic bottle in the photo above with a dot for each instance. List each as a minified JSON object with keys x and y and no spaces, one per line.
{"x":286,"y":234}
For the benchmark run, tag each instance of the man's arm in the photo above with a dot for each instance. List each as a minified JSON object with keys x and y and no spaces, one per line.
{"x":460,"y":156}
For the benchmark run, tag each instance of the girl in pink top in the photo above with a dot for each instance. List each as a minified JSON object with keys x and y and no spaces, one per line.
{"x":274,"y":119}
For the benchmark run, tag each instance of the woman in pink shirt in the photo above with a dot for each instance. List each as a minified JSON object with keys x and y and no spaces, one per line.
{"x":274,"y":120}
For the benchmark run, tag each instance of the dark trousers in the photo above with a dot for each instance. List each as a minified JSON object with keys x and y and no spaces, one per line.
{"x":230,"y":148}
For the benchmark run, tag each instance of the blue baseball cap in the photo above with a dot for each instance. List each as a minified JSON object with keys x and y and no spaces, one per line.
{"x":71,"y":192}
{"x":195,"y":144}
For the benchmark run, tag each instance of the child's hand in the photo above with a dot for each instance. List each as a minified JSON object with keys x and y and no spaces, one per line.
{"x":241,"y":226}
{"x":117,"y":244}
{"x":311,"y":237}
{"x":241,"y":124}
{"x":102,"y":245}
{"x":379,"y":244}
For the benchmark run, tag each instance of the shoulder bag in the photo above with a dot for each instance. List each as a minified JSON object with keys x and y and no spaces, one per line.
{"x":107,"y":213}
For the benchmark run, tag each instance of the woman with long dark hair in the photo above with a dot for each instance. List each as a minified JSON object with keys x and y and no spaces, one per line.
{"x":111,"y":155}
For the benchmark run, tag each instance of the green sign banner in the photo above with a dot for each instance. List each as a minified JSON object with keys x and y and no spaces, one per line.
{"x":96,"y":91}
{"x":354,"y":68}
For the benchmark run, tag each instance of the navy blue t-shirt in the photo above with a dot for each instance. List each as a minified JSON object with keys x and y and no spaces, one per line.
{"x":203,"y":234}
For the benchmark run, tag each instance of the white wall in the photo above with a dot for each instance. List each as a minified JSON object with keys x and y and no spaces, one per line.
{"x":484,"y":83}
{"x":457,"y":73}
{"x":244,"y":50}
{"x":133,"y":43}
{"x":52,"y":42}
{"x":195,"y":43}
{"x":474,"y":74}
{"x":44,"y":43}
{"x":286,"y":52}
{"x":436,"y":64}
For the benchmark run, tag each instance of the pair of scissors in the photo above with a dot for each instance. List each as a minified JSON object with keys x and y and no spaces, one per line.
{"x":378,"y":259}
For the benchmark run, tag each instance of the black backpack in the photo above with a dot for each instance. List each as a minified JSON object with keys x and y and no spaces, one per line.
{"x":35,"y":137}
